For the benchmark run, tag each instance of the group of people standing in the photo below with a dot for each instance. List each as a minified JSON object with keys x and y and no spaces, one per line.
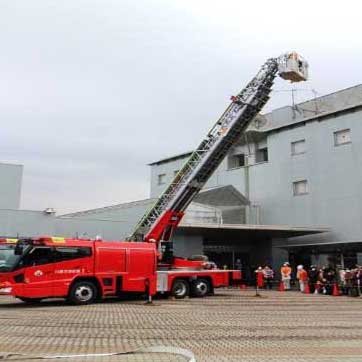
{"x":318,"y":280}
{"x":351,"y":281}
{"x":286,"y":274}
{"x":323,"y":280}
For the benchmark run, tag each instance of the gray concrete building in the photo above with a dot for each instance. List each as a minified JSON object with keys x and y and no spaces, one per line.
{"x":10,"y":185}
{"x":296,"y":166}
{"x":291,"y":188}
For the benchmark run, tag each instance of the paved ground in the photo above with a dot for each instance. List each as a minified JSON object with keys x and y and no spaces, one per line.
{"x":231,"y":326}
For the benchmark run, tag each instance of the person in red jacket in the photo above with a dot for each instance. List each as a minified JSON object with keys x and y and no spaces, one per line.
{"x":259,"y":277}
{"x":302,"y":277}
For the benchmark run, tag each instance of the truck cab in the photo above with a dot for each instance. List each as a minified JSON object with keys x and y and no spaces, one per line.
{"x":78,"y":270}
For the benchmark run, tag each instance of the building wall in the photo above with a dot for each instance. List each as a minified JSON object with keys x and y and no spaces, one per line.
{"x":111,"y":223}
{"x":333,"y":173}
{"x":121,"y":219}
{"x":28,"y":223}
{"x":80,"y":227}
{"x":10,"y":185}
{"x":220,"y":177}
{"x":15,"y":223}
{"x":186,"y":245}
{"x":168,"y":169}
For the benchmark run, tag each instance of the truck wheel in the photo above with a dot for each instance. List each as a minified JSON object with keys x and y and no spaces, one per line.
{"x":83,"y":292}
{"x":180,"y":289}
{"x":200,"y":288}
{"x":30,"y":300}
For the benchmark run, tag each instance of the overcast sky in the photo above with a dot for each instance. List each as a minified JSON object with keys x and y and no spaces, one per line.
{"x":93,"y":90}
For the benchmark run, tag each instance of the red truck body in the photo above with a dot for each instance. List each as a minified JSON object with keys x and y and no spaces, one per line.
{"x":84,"y":271}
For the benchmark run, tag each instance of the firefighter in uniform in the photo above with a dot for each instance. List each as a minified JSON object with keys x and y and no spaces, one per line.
{"x":286,"y":272}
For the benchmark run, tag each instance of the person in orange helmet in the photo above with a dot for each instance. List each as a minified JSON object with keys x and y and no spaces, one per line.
{"x":286,"y":272}
{"x":302,"y":277}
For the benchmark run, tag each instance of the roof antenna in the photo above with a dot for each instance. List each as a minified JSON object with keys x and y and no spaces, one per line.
{"x":315,"y":100}
{"x":295,"y":107}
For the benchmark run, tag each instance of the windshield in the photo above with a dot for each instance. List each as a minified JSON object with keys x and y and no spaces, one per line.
{"x":8,"y":259}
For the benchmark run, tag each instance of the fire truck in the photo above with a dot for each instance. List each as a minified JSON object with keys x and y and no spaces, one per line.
{"x":83,"y":271}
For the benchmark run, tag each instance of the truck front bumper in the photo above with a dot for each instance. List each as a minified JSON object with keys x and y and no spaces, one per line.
{"x":6,"y":288}
{"x":6,"y":291}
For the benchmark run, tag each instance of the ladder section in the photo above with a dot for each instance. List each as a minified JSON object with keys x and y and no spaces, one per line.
{"x":208,"y":156}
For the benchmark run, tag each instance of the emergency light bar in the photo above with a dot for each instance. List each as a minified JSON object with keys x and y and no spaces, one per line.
{"x":8,"y":241}
{"x":43,"y":240}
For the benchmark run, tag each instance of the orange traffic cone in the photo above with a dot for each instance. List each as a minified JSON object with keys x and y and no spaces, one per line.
{"x":306,"y":289}
{"x":281,"y":287}
{"x":335,"y":290}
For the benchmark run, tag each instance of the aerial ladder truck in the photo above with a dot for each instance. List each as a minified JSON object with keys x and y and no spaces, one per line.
{"x":32,"y":269}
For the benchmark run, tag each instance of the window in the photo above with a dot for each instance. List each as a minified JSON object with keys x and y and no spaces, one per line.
{"x":298,"y":147}
{"x":39,"y":256}
{"x":8,"y":258}
{"x":69,"y":253}
{"x":161,"y":180}
{"x":261,"y":155}
{"x":342,"y":137}
{"x":235,"y":161}
{"x":300,"y":187}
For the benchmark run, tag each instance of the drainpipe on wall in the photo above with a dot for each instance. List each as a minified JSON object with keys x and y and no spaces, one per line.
{"x":246,"y":179}
{"x":246,"y":173}
{"x":342,"y":260}
{"x":219,"y":216}
{"x":257,"y":214}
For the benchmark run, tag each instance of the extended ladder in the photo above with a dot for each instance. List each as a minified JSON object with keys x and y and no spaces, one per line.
{"x":159,"y":222}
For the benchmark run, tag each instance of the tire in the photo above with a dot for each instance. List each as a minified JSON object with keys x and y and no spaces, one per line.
{"x":30,"y":300}
{"x":201,"y":288}
{"x":83,"y":292}
{"x":180,"y":289}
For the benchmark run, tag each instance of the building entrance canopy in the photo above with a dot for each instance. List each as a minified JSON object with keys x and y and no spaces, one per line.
{"x":240,"y":232}
{"x":325,"y":247}
{"x":252,"y":244}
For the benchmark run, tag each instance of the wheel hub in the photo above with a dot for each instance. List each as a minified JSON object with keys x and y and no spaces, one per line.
{"x":180,"y":289}
{"x":84,"y":293}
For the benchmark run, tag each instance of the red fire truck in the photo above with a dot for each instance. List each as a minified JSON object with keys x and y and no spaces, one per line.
{"x":82,"y":271}
{"x":85,"y":270}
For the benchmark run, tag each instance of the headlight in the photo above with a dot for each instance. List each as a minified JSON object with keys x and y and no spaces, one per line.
{"x":6,"y":290}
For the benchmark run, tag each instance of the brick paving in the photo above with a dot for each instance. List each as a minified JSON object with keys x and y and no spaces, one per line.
{"x":233,"y":325}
